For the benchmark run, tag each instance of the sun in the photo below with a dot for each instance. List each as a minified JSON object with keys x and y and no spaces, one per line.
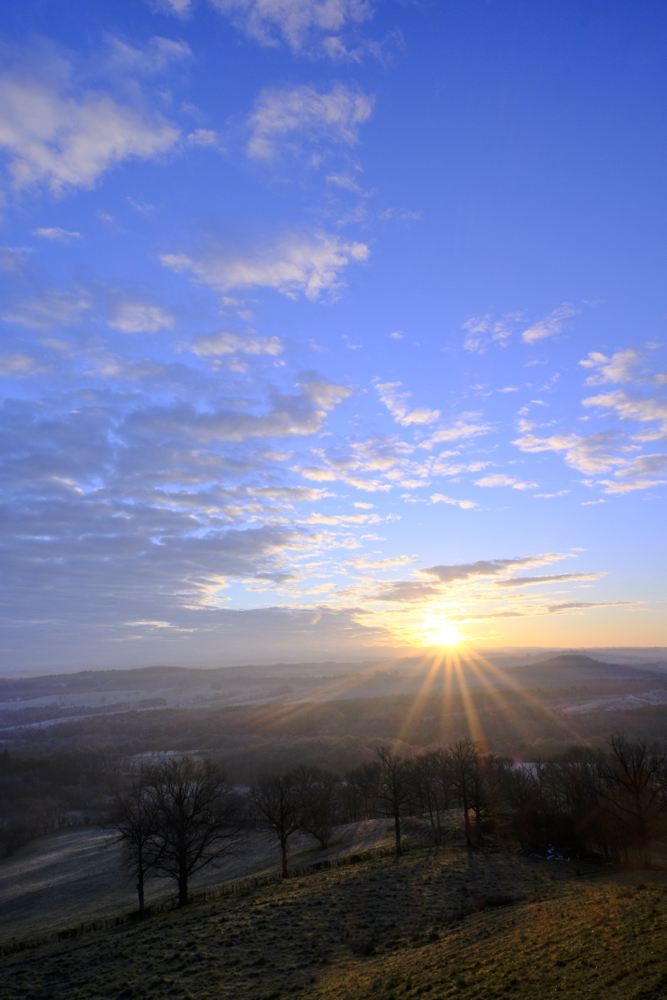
{"x":443,"y":635}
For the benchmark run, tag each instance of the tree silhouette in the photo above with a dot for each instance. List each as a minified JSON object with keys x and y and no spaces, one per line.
{"x":135,"y":820}
{"x":276,"y":803}
{"x":395,"y":788}
{"x":199,"y":818}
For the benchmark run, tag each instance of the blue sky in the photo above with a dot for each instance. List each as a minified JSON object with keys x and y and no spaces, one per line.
{"x":330,"y":327}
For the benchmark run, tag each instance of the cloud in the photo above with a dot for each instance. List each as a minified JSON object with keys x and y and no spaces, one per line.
{"x":55,"y":138}
{"x":395,"y":402}
{"x":293,"y":21}
{"x":593,"y":454}
{"x":56,"y":234}
{"x":499,"y":479}
{"x":229,"y":343}
{"x":365,"y":562}
{"x":316,"y":518}
{"x":525,"y":581}
{"x":334,"y":116}
{"x":564,"y":606}
{"x":482,"y":330}
{"x":641,"y":409}
{"x":468,"y":425}
{"x":311,"y":265}
{"x":488,"y":567}
{"x":17,"y":364}
{"x":405,"y":592}
{"x":52,"y":308}
{"x":301,"y":413}
{"x":621,"y":367}
{"x":12,"y":259}
{"x":550,"y":325}
{"x":179,"y":8}
{"x":463,"y":504}
{"x":629,"y":487}
{"x":154,"y":57}
{"x":139,"y":317}
{"x":203,"y":137}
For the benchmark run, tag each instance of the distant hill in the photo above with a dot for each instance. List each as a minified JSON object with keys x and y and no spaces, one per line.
{"x":571,"y":669}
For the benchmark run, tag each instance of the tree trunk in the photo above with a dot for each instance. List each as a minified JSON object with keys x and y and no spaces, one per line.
{"x":397,"y":831}
{"x":478,"y":826}
{"x":182,"y":890}
{"x":466,"y":821}
{"x":283,"y":849}
{"x":140,"y":892}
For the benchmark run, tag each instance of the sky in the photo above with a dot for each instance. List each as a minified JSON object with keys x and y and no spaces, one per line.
{"x":331,"y":328}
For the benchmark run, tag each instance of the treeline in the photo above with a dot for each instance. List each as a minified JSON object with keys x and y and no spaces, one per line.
{"x":182,"y":814}
{"x":43,"y":793}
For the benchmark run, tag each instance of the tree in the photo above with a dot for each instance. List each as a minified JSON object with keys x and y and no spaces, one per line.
{"x":318,"y":792}
{"x":464,"y":764}
{"x":636,"y":781}
{"x":426,"y":770}
{"x":395,"y":789}
{"x":135,"y":820}
{"x":276,"y":802}
{"x":199,"y":817}
{"x":360,"y":791}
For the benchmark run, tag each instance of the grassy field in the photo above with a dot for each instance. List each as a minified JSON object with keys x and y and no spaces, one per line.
{"x":76,"y":876}
{"x":438,"y":922}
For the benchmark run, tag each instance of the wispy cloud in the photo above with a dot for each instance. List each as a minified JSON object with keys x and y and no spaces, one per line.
{"x":621,"y":367}
{"x":17,"y":364}
{"x":483,"y":330}
{"x":643,"y":410}
{"x":311,"y":265}
{"x":53,"y":308}
{"x":225,"y":342}
{"x":295,"y":22}
{"x":140,"y":317}
{"x":463,"y":504}
{"x":56,"y":234}
{"x":550,"y":325}
{"x":284,"y":117}
{"x":154,"y":57}
{"x":396,"y":403}
{"x":500,"y":479}
{"x":62,"y":139}
{"x":468,"y":425}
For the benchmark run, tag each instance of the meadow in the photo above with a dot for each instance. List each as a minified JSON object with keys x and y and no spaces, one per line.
{"x":438,"y":922}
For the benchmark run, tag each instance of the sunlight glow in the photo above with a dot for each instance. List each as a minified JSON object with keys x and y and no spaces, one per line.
{"x":443,"y":634}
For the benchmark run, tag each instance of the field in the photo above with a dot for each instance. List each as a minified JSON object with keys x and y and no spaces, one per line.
{"x":438,"y":922}
{"x":75,"y":876}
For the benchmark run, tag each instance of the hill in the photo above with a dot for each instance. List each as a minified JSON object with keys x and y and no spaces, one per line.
{"x":439,"y":923}
{"x":574,"y":669}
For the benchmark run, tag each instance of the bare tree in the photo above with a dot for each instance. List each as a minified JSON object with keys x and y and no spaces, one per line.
{"x":395,"y":788}
{"x":276,"y":802}
{"x":318,"y":791}
{"x":199,"y":817}
{"x":464,"y":764}
{"x":636,"y":782}
{"x":135,"y":821}
{"x":426,"y":780}
{"x":360,"y":791}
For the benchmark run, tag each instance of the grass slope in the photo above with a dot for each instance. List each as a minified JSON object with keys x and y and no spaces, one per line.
{"x":435,"y":923}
